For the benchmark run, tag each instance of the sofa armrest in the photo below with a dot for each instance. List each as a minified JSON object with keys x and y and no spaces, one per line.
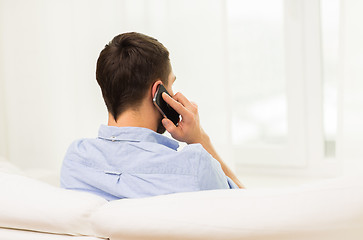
{"x":29,"y":204}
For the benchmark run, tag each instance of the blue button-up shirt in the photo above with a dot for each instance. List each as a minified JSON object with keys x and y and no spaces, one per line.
{"x":132,"y":162}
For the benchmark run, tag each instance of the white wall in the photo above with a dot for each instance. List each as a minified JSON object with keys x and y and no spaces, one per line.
{"x":3,"y":127}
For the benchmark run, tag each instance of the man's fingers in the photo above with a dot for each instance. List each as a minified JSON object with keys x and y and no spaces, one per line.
{"x":194,"y":104}
{"x":176,"y":105}
{"x":183,"y":100}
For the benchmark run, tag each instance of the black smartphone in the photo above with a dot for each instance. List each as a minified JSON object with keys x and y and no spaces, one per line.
{"x":165,"y":109}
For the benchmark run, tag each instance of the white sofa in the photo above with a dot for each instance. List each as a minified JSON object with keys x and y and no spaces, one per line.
{"x":333,"y":209}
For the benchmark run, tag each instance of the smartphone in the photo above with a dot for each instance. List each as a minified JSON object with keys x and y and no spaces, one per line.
{"x":165,"y":109}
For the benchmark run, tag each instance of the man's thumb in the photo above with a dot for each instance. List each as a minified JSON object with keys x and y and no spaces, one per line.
{"x":169,"y":125}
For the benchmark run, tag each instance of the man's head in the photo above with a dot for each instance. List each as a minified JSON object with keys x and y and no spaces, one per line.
{"x":127,"y":68}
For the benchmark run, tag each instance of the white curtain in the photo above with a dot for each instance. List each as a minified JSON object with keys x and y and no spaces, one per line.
{"x":48,"y":51}
{"x":350,"y":113}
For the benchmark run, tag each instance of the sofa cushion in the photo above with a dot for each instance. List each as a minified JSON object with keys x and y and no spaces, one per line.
{"x":29,"y":204}
{"x":329,"y":210}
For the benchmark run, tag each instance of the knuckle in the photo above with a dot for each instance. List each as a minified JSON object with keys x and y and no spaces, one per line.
{"x":195,"y":110}
{"x":189,"y":115}
{"x":178,"y":105}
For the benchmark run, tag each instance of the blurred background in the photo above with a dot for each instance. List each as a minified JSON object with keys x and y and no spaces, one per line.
{"x":279,"y":83}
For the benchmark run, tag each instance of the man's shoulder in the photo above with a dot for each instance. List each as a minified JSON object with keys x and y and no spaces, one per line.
{"x":82,"y":143}
{"x":82,"y":146}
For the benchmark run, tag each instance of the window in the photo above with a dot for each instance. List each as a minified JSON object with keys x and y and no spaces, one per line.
{"x":256,"y":47}
{"x":330,"y":45}
{"x":283,"y":57}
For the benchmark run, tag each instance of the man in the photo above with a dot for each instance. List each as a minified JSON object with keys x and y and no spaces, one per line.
{"x":130,"y":158}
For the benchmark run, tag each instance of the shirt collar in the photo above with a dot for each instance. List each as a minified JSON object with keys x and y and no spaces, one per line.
{"x":135,"y":134}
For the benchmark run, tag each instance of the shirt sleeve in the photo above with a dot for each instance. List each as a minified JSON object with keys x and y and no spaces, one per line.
{"x":231,"y":184}
{"x":211,"y":175}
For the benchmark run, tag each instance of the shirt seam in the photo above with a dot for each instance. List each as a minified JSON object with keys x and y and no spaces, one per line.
{"x":163,"y":140}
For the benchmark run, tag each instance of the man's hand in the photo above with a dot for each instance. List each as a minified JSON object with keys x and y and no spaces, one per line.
{"x":188,"y":129}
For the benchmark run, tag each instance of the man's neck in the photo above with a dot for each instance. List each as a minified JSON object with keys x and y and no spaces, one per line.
{"x":132,"y":118}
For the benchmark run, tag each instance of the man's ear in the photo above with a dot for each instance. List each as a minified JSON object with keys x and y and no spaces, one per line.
{"x":154,"y":87}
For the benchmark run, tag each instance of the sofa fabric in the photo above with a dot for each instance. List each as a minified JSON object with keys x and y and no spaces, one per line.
{"x":30,"y":204}
{"x":332,"y":210}
{"x":329,"y":210}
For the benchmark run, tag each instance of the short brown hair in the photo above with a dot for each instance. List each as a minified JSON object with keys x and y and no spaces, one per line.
{"x":127,"y":67}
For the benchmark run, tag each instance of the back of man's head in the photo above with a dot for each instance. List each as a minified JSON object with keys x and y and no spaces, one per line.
{"x":127,"y":67}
